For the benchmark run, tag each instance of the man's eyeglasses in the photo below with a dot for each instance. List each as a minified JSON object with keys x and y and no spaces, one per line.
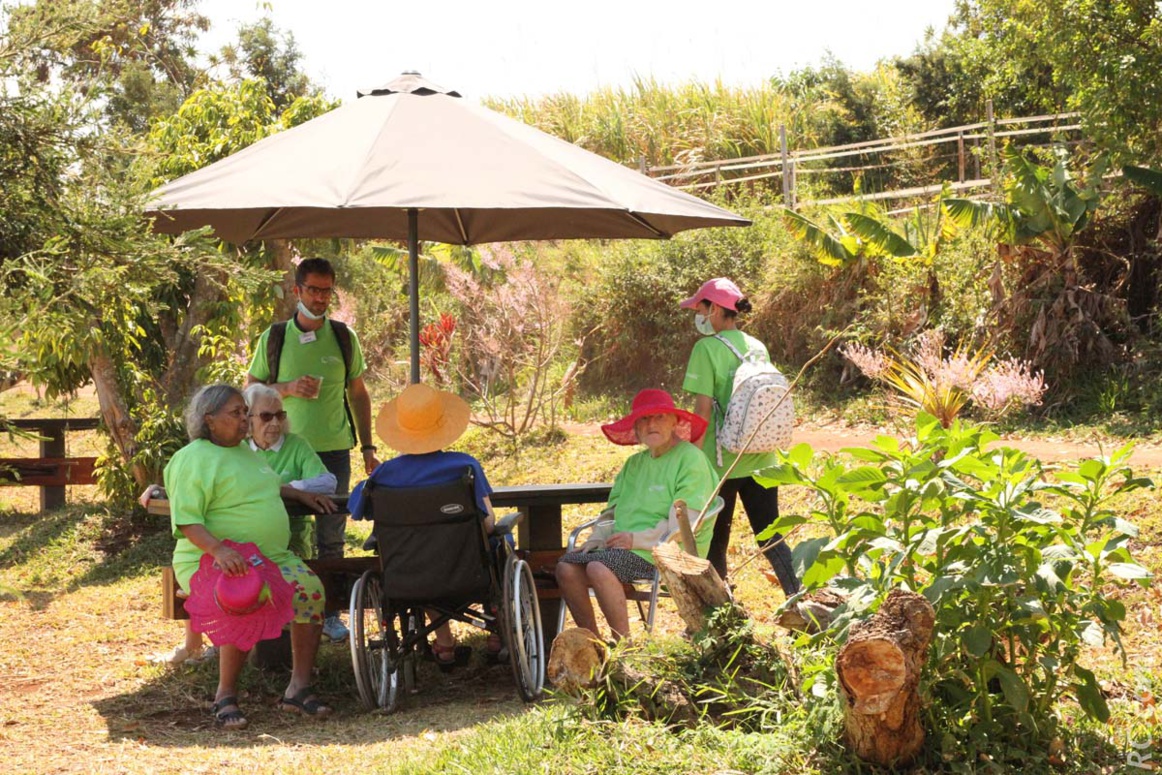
{"x":315,"y":290}
{"x":268,"y":416}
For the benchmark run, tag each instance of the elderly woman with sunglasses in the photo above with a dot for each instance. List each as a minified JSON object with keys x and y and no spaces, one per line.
{"x":304,"y":477}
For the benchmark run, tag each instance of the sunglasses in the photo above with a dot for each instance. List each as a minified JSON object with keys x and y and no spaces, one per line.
{"x":268,"y":416}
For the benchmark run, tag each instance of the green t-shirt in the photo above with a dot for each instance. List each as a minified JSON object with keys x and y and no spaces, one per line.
{"x":646,"y":488}
{"x":322,"y":421}
{"x":294,"y":460}
{"x":710,"y":372}
{"x":233,"y":493}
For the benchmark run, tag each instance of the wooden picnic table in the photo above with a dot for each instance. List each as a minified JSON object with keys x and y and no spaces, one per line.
{"x":541,"y":503}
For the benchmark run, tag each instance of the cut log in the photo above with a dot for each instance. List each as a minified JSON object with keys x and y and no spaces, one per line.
{"x":692,"y":582}
{"x":879,"y":668}
{"x":576,"y":661}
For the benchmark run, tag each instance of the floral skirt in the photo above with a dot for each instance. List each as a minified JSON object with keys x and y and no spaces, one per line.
{"x":625,"y":564}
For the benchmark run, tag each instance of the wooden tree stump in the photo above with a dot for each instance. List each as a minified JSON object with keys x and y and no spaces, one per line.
{"x":879,"y":668}
{"x":692,"y":582}
{"x":576,"y":660}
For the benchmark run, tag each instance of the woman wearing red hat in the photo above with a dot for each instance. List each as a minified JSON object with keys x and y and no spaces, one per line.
{"x":670,"y":468}
{"x":710,"y":377}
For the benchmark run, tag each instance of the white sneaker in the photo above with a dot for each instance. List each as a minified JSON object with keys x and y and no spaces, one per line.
{"x":334,"y":628}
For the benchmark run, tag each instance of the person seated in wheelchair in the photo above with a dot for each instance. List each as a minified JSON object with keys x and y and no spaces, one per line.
{"x":418,"y":424}
{"x":670,"y":468}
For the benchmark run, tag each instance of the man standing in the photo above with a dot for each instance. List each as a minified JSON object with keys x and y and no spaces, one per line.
{"x":317,"y":366}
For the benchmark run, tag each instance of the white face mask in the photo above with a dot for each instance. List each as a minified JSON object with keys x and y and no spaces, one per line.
{"x":703,"y":324}
{"x":308,"y":314}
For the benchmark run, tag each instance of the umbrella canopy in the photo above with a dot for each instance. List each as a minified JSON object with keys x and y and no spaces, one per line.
{"x":413,"y":161}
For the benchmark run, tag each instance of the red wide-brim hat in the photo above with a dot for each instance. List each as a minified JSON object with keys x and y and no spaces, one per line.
{"x":240,"y":610}
{"x":647,"y":402}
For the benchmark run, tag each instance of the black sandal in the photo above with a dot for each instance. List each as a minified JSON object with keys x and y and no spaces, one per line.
{"x":229,"y":719}
{"x":305,"y":703}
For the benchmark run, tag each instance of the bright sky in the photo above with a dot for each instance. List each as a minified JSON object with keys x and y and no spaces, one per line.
{"x":507,"y":48}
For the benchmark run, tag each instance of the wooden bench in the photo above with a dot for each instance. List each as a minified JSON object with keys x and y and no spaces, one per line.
{"x":53,"y":471}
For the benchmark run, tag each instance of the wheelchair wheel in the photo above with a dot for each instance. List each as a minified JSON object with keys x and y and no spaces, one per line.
{"x":375,"y":677}
{"x":521,"y":622}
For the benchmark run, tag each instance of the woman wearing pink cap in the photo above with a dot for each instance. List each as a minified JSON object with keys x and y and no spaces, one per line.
{"x":710,"y":377}
{"x":670,"y":468}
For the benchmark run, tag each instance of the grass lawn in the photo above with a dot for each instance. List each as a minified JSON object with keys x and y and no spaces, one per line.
{"x":81,"y":614}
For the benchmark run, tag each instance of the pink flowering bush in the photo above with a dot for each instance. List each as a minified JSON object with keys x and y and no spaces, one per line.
{"x":942,"y":384}
{"x":517,"y":354}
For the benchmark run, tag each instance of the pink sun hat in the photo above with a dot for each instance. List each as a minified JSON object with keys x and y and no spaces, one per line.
{"x":721,"y":290}
{"x":651,"y":401}
{"x":240,"y":610}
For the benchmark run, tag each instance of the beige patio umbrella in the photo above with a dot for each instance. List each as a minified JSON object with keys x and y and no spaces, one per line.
{"x":413,"y":161}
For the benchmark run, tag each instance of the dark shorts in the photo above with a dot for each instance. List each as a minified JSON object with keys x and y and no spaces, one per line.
{"x":626,"y":565}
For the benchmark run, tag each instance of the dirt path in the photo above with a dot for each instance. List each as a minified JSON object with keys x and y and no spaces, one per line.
{"x":834,"y":437}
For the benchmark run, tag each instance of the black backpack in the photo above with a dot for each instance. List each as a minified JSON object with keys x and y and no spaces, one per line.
{"x":274,"y":345}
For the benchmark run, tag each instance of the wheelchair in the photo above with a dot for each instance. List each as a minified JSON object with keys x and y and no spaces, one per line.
{"x":435,"y":556}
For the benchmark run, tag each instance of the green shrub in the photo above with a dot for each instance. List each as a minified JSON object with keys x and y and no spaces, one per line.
{"x":1019,"y":584}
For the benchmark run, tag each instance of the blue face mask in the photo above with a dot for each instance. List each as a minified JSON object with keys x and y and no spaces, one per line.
{"x":703,"y":324}
{"x":308,"y":314}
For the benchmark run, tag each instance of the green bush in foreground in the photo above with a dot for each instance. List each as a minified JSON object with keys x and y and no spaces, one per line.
{"x":1017,"y":566}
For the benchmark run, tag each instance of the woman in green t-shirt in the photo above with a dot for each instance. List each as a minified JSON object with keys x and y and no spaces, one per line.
{"x":219,"y":489}
{"x":669,"y":469}
{"x":710,"y":377}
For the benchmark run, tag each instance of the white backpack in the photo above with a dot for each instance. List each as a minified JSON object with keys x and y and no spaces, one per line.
{"x":758,"y":387}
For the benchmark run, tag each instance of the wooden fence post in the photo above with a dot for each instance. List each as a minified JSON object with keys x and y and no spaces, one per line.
{"x":994,"y":168}
{"x":641,"y":165}
{"x":960,"y":155}
{"x":788,"y":189}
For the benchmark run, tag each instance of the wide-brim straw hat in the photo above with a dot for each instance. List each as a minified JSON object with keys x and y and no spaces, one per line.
{"x":422,"y":419}
{"x":650,"y":401}
{"x":240,"y":610}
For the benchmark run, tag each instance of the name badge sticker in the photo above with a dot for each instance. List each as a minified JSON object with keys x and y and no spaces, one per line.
{"x":307,"y":338}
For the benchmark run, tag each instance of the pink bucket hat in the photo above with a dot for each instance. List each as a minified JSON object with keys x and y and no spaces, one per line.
{"x":647,"y":402}
{"x":721,"y":290}
{"x":240,"y":610}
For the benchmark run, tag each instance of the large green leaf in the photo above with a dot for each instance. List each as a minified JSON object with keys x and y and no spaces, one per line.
{"x":1130,"y":571}
{"x":1089,"y":695}
{"x":1146,"y":178}
{"x":878,"y":235}
{"x":828,"y":248}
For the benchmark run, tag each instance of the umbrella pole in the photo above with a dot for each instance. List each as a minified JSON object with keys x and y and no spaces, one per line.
{"x":414,"y":289}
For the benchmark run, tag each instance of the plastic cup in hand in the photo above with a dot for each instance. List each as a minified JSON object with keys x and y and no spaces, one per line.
{"x":315,"y":385}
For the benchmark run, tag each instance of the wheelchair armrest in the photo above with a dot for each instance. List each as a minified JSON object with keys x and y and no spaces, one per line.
{"x":506,"y":523}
